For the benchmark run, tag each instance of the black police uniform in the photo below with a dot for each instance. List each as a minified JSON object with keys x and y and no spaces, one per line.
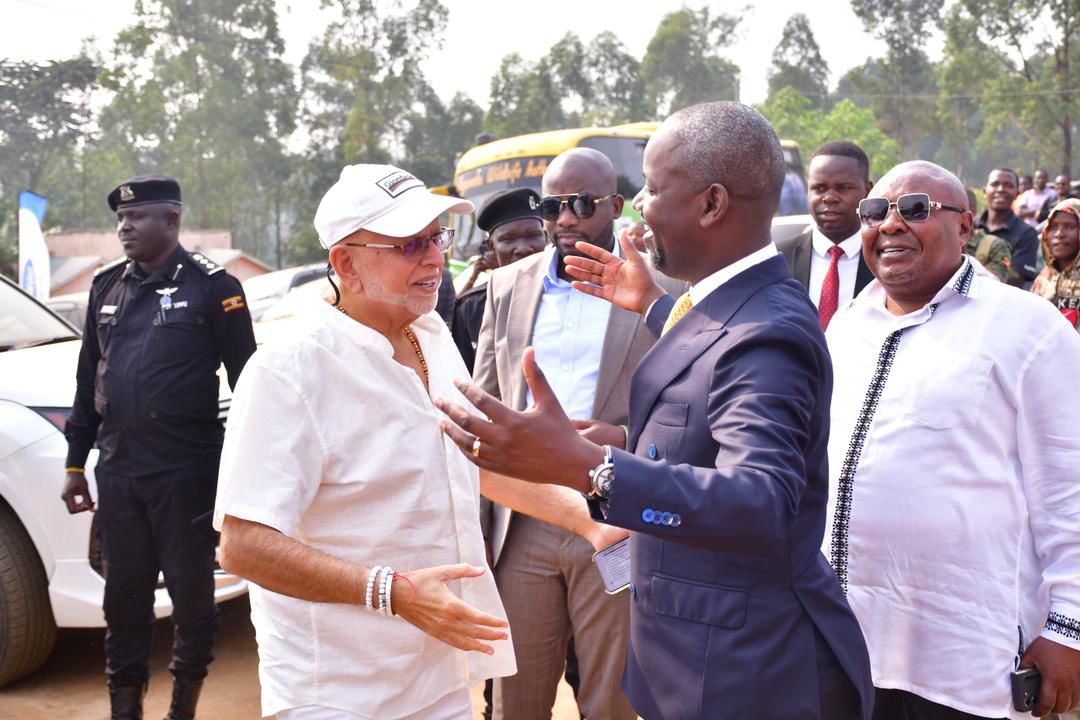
{"x":468,"y":317}
{"x":147,"y":393}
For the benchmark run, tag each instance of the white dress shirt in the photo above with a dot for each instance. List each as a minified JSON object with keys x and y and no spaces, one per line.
{"x":704,"y":287}
{"x":568,"y":339}
{"x":961,"y":526}
{"x":335,"y":444}
{"x":847,"y":266}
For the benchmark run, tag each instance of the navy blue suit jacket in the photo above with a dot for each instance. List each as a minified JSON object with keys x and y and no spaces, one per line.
{"x":725,"y":493}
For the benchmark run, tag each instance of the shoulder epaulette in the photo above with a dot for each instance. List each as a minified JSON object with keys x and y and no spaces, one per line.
{"x":205,"y":264}
{"x":118,"y":263}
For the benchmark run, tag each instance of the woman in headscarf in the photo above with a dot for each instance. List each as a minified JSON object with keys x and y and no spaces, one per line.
{"x":1059,"y":282}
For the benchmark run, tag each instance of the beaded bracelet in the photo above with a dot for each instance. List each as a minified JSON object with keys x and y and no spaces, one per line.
{"x":371,"y":586}
{"x":384,"y":594}
{"x":388,"y":584}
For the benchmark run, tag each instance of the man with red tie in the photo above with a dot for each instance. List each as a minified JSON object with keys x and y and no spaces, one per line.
{"x":827,"y":258}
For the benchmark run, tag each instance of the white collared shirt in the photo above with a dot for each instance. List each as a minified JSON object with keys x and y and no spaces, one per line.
{"x":847,"y":266}
{"x":704,"y":287}
{"x":335,"y":444}
{"x":962,"y":523}
{"x":568,"y":339}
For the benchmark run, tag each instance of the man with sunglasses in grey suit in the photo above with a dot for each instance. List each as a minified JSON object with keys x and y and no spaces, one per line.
{"x":546,"y":577}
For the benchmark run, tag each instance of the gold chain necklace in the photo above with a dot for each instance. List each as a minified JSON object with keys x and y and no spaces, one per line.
{"x":412,"y":339}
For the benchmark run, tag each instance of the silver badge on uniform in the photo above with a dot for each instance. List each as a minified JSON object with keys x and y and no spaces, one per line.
{"x":166,"y":296}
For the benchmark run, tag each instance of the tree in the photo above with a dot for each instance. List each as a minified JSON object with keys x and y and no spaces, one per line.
{"x":794,"y":117}
{"x":681,"y":66}
{"x":962,"y":80}
{"x":901,"y":86}
{"x":797,"y":62}
{"x":44,"y":113}
{"x":524,"y":98}
{"x":1039,"y":98}
{"x":203,"y":93}
{"x":616,"y":83}
{"x":438,"y":134}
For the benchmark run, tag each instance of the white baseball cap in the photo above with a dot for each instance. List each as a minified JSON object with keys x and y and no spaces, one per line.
{"x":383,"y":199}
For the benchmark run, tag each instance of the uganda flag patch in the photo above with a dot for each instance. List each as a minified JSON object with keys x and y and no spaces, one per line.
{"x":236,"y":302}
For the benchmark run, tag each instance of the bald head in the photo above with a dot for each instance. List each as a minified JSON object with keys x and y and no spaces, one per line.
{"x":940,"y":184}
{"x":584,"y":163}
{"x":731,"y":144}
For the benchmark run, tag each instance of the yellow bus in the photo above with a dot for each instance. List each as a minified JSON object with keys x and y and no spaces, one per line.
{"x":522,"y":160}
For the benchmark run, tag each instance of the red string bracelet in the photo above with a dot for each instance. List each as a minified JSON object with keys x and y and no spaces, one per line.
{"x":412,"y":588}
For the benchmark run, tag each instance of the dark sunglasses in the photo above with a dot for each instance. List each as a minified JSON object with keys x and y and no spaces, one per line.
{"x":417,"y":246}
{"x":913,"y":208}
{"x":583,"y":205}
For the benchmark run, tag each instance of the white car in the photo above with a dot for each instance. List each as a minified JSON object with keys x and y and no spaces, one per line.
{"x":50,"y":562}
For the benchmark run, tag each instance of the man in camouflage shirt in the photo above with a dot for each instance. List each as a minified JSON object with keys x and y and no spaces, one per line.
{"x":992,"y":252}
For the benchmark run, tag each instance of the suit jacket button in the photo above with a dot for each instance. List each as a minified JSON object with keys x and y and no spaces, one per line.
{"x":652,"y":451}
{"x":676,"y":520}
{"x":633,"y":591}
{"x":666,"y":518}
{"x":647,"y":515}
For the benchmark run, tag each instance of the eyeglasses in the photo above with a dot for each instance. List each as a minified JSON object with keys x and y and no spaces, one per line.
{"x":583,"y":205}
{"x":417,"y":246}
{"x":913,"y":208}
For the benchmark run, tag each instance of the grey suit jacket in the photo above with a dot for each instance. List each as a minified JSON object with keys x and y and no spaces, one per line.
{"x":799,"y":250}
{"x":513,"y":300}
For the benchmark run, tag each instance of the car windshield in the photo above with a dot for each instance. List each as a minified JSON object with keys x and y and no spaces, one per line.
{"x":25,"y":323}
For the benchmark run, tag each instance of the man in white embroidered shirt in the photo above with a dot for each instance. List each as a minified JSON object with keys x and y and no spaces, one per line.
{"x":340,"y":498}
{"x":954,"y":513}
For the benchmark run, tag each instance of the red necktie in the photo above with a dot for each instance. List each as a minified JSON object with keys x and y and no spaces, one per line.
{"x":830,"y":289}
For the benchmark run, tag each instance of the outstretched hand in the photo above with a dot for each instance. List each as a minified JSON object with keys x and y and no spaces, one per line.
{"x":426,"y":602}
{"x":626,"y":283}
{"x":538,"y":445}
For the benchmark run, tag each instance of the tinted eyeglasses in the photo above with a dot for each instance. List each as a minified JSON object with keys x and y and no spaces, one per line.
{"x":913,"y":208}
{"x":417,"y":246}
{"x":583,"y":205}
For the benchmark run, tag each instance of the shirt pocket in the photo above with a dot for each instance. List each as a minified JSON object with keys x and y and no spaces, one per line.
{"x":950,"y":395}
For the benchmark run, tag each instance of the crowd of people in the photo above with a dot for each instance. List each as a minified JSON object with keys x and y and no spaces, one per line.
{"x":846,"y":462}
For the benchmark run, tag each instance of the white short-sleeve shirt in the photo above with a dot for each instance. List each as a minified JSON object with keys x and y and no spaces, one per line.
{"x":334,"y":443}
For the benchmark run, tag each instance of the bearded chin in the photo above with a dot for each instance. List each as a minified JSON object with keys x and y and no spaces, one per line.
{"x":656,"y":257}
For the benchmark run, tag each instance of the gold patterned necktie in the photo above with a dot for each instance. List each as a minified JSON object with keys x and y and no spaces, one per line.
{"x":682,"y":306}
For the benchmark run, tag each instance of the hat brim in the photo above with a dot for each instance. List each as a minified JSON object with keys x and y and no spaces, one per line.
{"x":415,"y":212}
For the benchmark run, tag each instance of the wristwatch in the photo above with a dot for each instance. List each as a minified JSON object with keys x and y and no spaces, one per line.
{"x":601,"y":478}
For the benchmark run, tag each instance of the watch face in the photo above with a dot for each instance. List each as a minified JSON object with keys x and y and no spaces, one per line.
{"x":603,"y":482}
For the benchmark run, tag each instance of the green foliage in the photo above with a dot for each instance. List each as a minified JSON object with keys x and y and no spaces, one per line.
{"x":1038,"y":111}
{"x":681,"y":66}
{"x":793,"y":117}
{"x":797,"y":63}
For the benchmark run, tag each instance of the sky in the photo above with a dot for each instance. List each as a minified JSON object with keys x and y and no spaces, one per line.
{"x":479,"y":33}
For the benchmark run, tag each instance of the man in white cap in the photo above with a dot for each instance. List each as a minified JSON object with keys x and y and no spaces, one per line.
{"x":339,"y":498}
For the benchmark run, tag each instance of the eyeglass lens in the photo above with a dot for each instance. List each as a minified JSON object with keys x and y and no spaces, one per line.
{"x":418,"y":246}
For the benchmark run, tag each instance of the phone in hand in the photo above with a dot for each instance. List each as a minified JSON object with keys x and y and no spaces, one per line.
{"x":1025,"y":689}
{"x":613,"y":562}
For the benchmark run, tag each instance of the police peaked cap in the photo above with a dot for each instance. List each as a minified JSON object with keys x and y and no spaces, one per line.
{"x":145,"y":189}
{"x":508,"y":206}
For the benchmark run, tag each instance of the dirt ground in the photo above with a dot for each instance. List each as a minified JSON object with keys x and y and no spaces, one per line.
{"x":72,"y":683}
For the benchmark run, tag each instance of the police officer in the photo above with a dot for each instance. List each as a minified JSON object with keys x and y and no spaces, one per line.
{"x":514,"y":230}
{"x":158,"y":325}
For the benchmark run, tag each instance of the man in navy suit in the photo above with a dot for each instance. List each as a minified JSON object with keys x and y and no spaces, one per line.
{"x":735,"y":611}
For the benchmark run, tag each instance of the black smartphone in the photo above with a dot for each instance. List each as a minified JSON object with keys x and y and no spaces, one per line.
{"x":1025,"y":689}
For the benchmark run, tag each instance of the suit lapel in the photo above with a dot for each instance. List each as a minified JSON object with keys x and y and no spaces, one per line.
{"x":693,"y":335}
{"x":613,"y":356}
{"x":804,"y":251}
{"x":525,"y":298}
{"x":863,"y":276}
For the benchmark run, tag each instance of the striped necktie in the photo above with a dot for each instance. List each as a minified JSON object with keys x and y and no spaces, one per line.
{"x":682,"y":306}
